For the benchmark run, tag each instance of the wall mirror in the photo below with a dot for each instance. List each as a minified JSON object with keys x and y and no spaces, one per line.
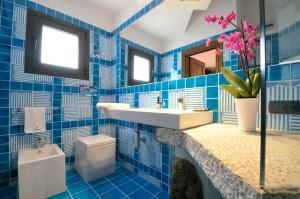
{"x":177,"y":42}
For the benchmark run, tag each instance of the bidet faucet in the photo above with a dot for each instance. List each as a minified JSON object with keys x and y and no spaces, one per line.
{"x":41,"y":141}
{"x":159,"y":103}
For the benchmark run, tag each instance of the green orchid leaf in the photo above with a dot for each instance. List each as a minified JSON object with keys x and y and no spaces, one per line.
{"x":234,"y":79}
{"x":256,"y":85}
{"x":245,"y":95}
{"x":257,"y":70}
{"x":233,"y":91}
{"x":247,"y":82}
{"x":254,"y":71}
{"x":252,"y":75}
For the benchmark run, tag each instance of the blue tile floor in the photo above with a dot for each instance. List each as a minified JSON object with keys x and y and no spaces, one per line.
{"x":121,"y":184}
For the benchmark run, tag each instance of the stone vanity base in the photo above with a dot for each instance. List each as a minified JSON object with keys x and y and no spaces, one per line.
{"x":230,"y":159}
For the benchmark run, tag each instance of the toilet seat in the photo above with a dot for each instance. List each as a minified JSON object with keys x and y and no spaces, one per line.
{"x":96,"y":140}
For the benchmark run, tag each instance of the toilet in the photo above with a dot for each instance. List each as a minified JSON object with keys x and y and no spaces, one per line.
{"x":95,"y":156}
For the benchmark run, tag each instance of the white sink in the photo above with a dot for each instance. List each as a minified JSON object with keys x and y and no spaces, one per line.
{"x":41,"y":172}
{"x":168,"y":118}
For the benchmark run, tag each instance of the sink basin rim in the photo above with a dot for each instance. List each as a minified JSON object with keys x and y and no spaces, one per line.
{"x":161,"y":111}
{"x":173,"y":119}
{"x":22,"y":152}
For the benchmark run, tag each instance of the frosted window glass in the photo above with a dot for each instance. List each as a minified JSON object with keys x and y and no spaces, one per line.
{"x":59,"y":48}
{"x":141,"y":69}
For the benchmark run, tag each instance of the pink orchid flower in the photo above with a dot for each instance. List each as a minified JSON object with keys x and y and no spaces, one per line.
{"x":242,"y":42}
{"x":213,"y":18}
{"x":222,"y":38}
{"x":207,"y":19}
{"x":231,"y":16}
{"x":219,"y":51}
{"x":208,"y":41}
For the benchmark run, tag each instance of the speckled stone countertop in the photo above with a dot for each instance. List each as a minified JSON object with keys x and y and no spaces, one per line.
{"x":231,"y":159}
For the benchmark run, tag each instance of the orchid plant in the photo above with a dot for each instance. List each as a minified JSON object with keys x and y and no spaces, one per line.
{"x":243,"y":42}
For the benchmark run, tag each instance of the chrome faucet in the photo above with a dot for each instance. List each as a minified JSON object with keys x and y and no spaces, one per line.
{"x":159,"y":103}
{"x":181,"y":104}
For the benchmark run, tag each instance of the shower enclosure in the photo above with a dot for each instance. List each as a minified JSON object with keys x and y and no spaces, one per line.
{"x":280,"y":96}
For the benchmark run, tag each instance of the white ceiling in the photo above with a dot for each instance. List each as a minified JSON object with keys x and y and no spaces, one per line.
{"x":171,"y":24}
{"x":112,"y":6}
{"x":170,"y":18}
{"x":106,"y":14}
{"x":175,"y":23}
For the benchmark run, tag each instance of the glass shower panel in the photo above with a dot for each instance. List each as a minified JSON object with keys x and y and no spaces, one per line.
{"x":282,"y":168}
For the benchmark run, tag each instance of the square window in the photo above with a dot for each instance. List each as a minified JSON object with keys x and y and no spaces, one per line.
{"x":140,"y":67}
{"x":56,"y":48}
{"x":54,"y":45}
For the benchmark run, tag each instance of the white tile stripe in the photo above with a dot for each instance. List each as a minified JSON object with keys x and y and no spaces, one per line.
{"x":173,"y":98}
{"x":70,"y":82}
{"x":194,"y":98}
{"x":126,"y":141}
{"x":296,"y":92}
{"x":70,"y":113}
{"x":278,"y":121}
{"x":18,"y":74}
{"x":106,"y":50}
{"x":127,"y":98}
{"x":19,"y":30}
{"x":20,"y":99}
{"x":17,"y":56}
{"x":107,"y":77}
{"x":43,"y":79}
{"x":167,"y":64}
{"x":70,"y":100}
{"x":294,"y":123}
{"x":150,"y":149}
{"x":41,"y":99}
{"x":148,"y":100}
{"x":20,"y":142}
{"x":109,"y":130}
{"x":226,"y":101}
{"x":70,"y":136}
{"x":19,"y":14}
{"x":229,"y":118}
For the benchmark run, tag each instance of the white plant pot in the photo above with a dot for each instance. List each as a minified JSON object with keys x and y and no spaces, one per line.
{"x":247,"y":109}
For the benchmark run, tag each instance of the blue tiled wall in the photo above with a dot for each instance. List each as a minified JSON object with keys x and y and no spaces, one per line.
{"x":19,"y":90}
{"x":80,"y":117}
{"x":283,"y":84}
{"x":108,"y":67}
{"x":151,"y":160}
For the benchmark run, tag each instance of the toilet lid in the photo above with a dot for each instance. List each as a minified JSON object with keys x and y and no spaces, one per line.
{"x":96,"y":140}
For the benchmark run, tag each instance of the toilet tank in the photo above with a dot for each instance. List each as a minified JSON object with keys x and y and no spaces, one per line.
{"x":95,"y":156}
